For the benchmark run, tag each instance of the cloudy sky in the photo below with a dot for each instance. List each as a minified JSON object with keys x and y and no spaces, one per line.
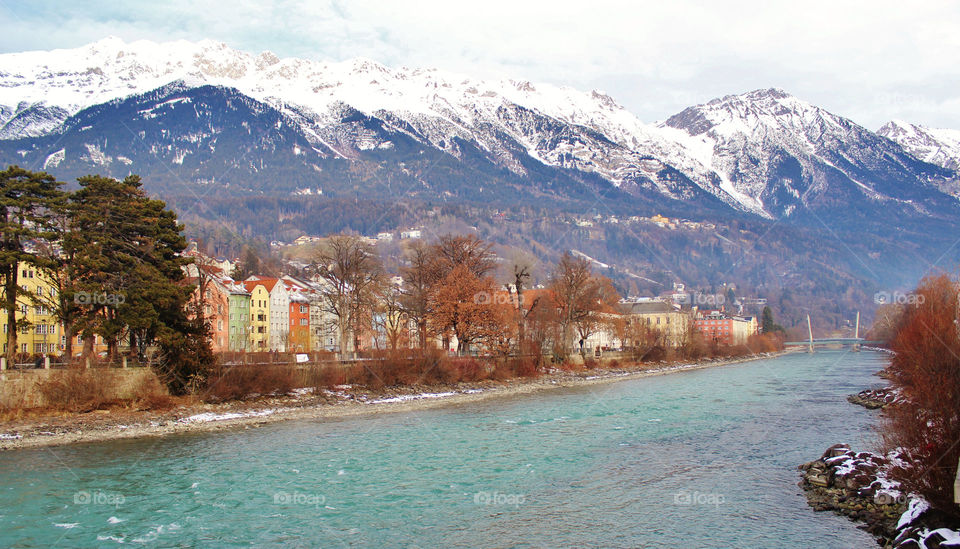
{"x":868,"y":60}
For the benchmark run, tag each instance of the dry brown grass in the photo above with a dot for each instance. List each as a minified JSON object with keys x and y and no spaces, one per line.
{"x":78,"y":390}
{"x":246,"y":381}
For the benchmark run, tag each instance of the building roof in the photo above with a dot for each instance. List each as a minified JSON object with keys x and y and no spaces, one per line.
{"x":645,"y":308}
{"x":267,"y":283}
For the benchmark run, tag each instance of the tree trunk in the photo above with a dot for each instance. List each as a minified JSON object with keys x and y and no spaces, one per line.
{"x":10,"y":290}
{"x":68,"y":342}
{"x":87,"y":347}
{"x":342,"y":328}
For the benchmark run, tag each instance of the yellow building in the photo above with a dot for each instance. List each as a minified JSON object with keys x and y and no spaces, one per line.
{"x":41,"y":334}
{"x":259,"y":315}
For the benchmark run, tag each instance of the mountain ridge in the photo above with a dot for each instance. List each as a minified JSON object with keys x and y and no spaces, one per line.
{"x":554,"y":125}
{"x":762,"y":153}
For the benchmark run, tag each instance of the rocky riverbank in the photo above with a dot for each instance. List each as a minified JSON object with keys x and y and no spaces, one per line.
{"x":874,"y":399}
{"x":857,"y":485}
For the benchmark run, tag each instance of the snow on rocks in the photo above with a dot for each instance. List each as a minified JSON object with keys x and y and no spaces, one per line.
{"x":876,"y":398}
{"x":857,"y":485}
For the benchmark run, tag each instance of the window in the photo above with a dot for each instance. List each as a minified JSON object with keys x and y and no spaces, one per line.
{"x":40,"y":291}
{"x":303,"y":308}
{"x":38,"y":347}
{"x":23,"y":347}
{"x":219,"y":325}
{"x":303,"y":322}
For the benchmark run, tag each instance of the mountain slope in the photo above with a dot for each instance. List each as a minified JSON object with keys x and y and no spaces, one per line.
{"x":185,"y":140}
{"x":794,"y":158}
{"x":933,"y":145}
{"x":360,"y":127}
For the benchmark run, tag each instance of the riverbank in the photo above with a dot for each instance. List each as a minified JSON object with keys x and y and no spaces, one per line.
{"x":857,"y":485}
{"x":344,"y":401}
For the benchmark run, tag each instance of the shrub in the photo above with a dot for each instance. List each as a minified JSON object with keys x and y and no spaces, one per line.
{"x":239,"y":382}
{"x":926,"y":370}
{"x":78,"y":390}
{"x":150,"y":394}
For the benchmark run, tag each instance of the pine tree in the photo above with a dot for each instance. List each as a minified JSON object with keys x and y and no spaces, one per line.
{"x":767,"y":324}
{"x":28,"y":205}
{"x":127,"y":247}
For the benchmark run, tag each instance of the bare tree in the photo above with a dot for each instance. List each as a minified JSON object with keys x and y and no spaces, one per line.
{"x":571,"y":292}
{"x":391,"y":318}
{"x":352,"y":275}
{"x":521,"y":273}
{"x":418,"y":280}
{"x":469,"y":251}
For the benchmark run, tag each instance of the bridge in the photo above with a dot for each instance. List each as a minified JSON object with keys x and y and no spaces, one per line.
{"x":833,"y":341}
{"x":856,"y":341}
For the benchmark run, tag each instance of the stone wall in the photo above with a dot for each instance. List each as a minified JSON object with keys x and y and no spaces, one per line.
{"x":19,"y":388}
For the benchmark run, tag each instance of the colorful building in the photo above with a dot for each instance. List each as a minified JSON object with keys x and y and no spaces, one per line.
{"x":40,"y":332}
{"x":216,"y":309}
{"x":259,"y":315}
{"x":724,"y":329}
{"x":240,"y":320}
{"x":299,"y":338}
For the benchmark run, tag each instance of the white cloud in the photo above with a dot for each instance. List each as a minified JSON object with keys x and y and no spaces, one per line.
{"x":871,"y":61}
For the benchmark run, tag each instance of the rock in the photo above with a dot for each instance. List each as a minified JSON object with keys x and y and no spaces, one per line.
{"x":835,"y":450}
{"x":822,"y":479}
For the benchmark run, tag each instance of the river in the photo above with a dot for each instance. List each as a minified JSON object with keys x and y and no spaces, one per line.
{"x":704,"y":458}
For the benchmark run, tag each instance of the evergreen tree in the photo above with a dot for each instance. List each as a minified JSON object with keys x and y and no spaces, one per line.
{"x":28,"y":205}
{"x":767,"y":324}
{"x":126,"y":247}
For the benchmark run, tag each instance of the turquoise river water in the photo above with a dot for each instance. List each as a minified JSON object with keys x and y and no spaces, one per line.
{"x":697,"y":459}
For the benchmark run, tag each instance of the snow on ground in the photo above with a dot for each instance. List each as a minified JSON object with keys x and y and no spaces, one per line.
{"x":210,"y":416}
{"x":405,"y":398}
{"x":5,"y":436}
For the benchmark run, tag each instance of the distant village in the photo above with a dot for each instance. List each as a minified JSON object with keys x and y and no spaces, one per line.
{"x":289,"y":314}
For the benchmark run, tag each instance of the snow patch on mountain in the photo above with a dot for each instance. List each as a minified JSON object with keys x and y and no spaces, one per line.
{"x":934,"y":145}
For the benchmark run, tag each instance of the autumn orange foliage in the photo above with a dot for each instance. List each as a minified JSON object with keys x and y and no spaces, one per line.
{"x":926,"y":371}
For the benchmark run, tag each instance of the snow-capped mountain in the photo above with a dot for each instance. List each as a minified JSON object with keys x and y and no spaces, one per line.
{"x":784,"y":153}
{"x":933,"y":145}
{"x":172,"y":108}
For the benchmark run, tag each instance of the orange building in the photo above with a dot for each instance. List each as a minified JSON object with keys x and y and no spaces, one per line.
{"x":299,"y":338}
